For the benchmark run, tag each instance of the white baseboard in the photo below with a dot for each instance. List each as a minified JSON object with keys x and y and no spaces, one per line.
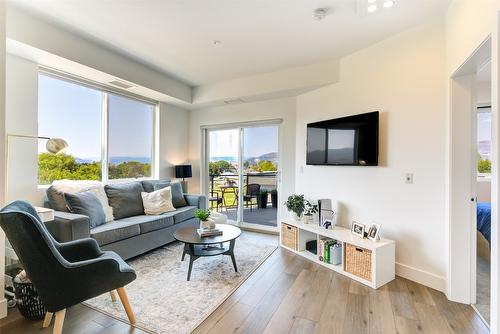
{"x":3,"y":308}
{"x":420,"y":276}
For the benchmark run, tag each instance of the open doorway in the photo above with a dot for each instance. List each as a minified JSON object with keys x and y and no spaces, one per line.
{"x":482,"y":88}
{"x":472,"y":161}
{"x":243,"y":173}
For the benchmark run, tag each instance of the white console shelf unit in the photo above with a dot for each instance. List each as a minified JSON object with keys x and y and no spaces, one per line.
{"x":382,"y":251}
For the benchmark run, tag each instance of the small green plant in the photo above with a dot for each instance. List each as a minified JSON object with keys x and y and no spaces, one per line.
{"x":310,"y":208}
{"x":264,"y":192}
{"x":484,"y":166}
{"x":274,"y":192}
{"x":202,"y":214}
{"x":296,"y":204}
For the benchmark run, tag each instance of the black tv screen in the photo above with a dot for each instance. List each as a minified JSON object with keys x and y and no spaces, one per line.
{"x":346,"y":141}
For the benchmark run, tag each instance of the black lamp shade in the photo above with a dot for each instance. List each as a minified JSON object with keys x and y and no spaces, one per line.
{"x":183,"y":171}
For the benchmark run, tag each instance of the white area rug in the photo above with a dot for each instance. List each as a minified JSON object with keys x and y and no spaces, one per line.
{"x":164,"y":302}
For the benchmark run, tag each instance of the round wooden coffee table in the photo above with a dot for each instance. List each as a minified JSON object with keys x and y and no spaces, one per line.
{"x":196,"y":246}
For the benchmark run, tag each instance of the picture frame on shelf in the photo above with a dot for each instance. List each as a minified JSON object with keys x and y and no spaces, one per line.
{"x":358,"y":229}
{"x":373,"y":232}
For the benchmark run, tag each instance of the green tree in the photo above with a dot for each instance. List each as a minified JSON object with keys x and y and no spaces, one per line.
{"x":129,"y":170}
{"x":219,"y":167}
{"x":64,"y":166}
{"x":265,"y":166}
{"x":484,"y":166}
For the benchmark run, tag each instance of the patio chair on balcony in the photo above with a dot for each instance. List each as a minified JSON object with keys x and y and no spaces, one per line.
{"x":250,"y":192}
{"x":215,"y":199}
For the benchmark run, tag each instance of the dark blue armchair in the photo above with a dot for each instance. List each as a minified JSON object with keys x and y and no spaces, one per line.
{"x":64,"y":274}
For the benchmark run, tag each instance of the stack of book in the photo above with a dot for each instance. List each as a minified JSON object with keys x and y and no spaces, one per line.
{"x":209,"y":232}
{"x":328,"y":251}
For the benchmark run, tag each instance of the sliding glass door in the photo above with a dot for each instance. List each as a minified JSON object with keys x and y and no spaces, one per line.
{"x":243,"y":167}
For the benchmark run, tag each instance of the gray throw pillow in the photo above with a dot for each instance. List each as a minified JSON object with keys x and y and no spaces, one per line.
{"x":178,"y":199}
{"x":149,"y":185}
{"x":125,"y":199}
{"x":87,"y":204}
{"x":56,"y":199}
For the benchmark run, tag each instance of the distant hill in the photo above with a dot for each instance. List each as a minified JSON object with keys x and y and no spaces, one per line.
{"x":119,"y":160}
{"x":272,"y":156}
{"x":229,"y":159}
{"x":114,"y":160}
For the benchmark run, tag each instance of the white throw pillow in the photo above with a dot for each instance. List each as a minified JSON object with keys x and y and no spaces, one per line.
{"x":157,"y":202}
{"x":76,"y":186}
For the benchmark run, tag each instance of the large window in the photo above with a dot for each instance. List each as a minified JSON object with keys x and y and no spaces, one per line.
{"x":90,"y":120}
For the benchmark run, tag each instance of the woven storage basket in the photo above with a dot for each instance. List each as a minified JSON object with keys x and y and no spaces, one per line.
{"x":358,"y":261}
{"x":289,"y":236}
{"x":28,"y":301}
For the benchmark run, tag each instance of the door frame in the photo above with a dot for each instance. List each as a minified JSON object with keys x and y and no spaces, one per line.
{"x":205,"y":178}
{"x":461,"y":227}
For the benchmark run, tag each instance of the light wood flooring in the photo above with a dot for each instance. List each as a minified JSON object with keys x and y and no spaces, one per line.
{"x":289,"y":294}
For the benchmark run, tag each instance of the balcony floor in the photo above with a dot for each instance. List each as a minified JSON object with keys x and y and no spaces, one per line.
{"x":266,"y":217}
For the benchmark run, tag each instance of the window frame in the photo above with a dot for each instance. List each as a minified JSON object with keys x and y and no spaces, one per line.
{"x":105,"y":91}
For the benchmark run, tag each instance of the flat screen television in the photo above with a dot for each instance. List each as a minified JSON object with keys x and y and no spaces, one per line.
{"x":346,"y":141}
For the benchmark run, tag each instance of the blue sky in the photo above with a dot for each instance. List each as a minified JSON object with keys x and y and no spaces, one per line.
{"x":73,"y":112}
{"x":257,"y":141}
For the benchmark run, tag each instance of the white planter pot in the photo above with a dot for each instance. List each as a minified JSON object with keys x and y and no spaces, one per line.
{"x":296,"y":217}
{"x":308,"y":219}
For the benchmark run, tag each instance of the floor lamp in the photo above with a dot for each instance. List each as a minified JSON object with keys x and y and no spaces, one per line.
{"x":53,"y":145}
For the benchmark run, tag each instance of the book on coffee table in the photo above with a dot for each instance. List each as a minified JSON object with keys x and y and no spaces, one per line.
{"x":209,"y":232}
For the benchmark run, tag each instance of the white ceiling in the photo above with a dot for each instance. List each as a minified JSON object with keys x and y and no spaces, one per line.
{"x":257,"y":36}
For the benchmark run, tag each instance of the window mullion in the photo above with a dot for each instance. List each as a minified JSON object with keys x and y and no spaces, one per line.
{"x":105,"y":137}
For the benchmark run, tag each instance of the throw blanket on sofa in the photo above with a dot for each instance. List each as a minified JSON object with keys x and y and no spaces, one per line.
{"x":484,"y":220}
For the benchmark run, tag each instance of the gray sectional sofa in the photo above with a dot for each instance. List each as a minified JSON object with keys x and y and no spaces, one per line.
{"x":132,"y":232}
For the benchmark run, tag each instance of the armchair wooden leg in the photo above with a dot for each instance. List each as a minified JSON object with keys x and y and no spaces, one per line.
{"x":47,"y":320}
{"x":123,"y":297}
{"x":112,"y":293}
{"x":58,"y":324}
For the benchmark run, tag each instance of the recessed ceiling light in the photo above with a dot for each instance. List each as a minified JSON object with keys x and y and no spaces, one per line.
{"x":388,"y":3}
{"x":216,"y":42}
{"x":372,"y":8}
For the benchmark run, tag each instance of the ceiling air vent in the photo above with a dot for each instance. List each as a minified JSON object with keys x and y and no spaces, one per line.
{"x":121,"y":84}
{"x":234,"y":101}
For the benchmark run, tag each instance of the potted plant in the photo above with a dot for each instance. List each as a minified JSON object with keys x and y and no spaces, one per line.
{"x":263,"y":199}
{"x":202,"y":216}
{"x":309,"y":210}
{"x":296,"y":205}
{"x":274,"y":198}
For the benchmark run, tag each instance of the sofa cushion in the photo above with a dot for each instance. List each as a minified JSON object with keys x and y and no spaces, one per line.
{"x":158,"y":201}
{"x":114,"y":231}
{"x":125,"y":199}
{"x":56,"y":199}
{"x":86,"y":203}
{"x":149,"y":185}
{"x":150,"y":223}
{"x":178,"y":199}
{"x":184,"y":213}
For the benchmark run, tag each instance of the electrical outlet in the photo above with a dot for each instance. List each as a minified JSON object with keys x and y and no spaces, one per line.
{"x":409,"y":178}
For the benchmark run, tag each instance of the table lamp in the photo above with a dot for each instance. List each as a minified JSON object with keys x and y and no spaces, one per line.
{"x":183,"y":172}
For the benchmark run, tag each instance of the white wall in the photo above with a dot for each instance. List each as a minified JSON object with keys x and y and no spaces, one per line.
{"x":265,"y":110}
{"x":22,"y":103}
{"x":402,"y":77}
{"x":174,"y":124}
{"x":3,"y":302}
